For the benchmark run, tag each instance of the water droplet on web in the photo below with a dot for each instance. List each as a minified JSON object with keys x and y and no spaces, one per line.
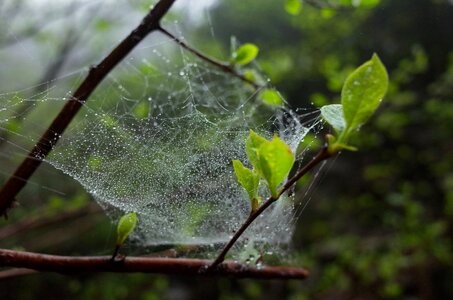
{"x":171,"y":160}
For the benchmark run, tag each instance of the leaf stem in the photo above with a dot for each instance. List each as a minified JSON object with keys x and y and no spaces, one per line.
{"x":115,"y":252}
{"x":323,"y":154}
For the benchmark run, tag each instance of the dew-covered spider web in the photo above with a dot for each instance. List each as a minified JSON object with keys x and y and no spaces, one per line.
{"x":158,"y":137}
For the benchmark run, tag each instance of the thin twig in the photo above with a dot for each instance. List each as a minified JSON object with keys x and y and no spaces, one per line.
{"x":323,"y":154}
{"x":52,"y":70}
{"x":84,"y":264}
{"x":15,"y":273}
{"x":97,"y":73}
{"x":225,"y":67}
{"x":47,"y":220}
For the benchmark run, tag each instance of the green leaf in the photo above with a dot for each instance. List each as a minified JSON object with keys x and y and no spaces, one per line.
{"x":369,"y":3}
{"x":103,"y":25}
{"x":141,"y":110}
{"x":293,"y":7}
{"x":275,"y":160}
{"x":252,"y":145}
{"x":94,"y":162}
{"x":250,"y":74}
{"x":333,"y":114}
{"x":362,"y":92}
{"x":108,"y":121}
{"x":125,"y":226}
{"x":247,"y":178}
{"x":271,"y":97}
{"x":245,"y":54}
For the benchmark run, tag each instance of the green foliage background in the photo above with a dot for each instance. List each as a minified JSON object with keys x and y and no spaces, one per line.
{"x":379,"y":224}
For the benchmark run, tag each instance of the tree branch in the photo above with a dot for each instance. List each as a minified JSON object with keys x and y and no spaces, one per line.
{"x":47,"y":220}
{"x":219,"y":64}
{"x":83,"y":264}
{"x":15,"y":273}
{"x":323,"y":154}
{"x":97,"y":73}
{"x":51,"y":72}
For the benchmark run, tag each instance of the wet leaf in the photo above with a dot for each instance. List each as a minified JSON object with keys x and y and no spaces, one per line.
{"x":245,"y":54}
{"x":276,"y":160}
{"x":333,"y":114}
{"x":271,"y":97}
{"x":247,"y":178}
{"x":362,"y":92}
{"x":252,"y":145}
{"x":125,"y":227}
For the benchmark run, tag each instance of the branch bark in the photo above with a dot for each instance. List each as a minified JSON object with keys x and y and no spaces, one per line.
{"x":96,"y":74}
{"x":197,"y":267}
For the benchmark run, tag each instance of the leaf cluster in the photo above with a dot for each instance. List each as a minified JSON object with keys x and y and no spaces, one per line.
{"x":361,"y":95}
{"x":271,"y":162}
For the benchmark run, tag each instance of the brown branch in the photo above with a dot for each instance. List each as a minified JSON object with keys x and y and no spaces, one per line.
{"x":96,"y":74}
{"x":41,"y":221}
{"x":15,"y":273}
{"x":323,"y":154}
{"x":59,"y":235}
{"x":179,"y":266}
{"x":225,"y":67}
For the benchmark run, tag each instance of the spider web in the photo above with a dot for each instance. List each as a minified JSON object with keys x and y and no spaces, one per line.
{"x":158,"y":137}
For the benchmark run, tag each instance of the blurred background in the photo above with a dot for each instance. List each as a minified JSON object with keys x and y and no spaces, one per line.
{"x":379,"y":221}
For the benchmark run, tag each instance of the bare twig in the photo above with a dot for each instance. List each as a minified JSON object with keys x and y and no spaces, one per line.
{"x":41,"y":221}
{"x":56,"y":235}
{"x":15,"y":273}
{"x":97,"y":73}
{"x":225,"y":67}
{"x":323,"y":154}
{"x":77,"y":264}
